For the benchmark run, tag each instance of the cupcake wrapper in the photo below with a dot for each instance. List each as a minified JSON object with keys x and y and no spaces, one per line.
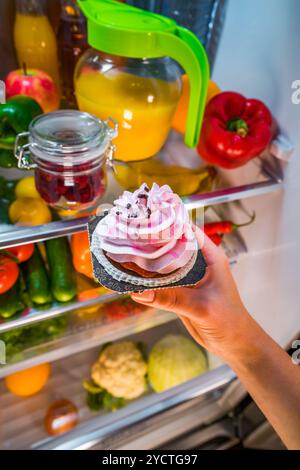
{"x":115,"y":279}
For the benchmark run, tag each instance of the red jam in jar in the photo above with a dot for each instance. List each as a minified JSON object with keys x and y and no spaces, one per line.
{"x":68,"y":150}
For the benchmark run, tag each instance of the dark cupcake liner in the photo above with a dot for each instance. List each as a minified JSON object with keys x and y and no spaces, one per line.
{"x":193,"y":277}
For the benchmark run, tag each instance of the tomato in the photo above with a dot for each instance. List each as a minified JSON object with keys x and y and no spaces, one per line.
{"x":120,"y":309}
{"x":9,"y":272}
{"x":22,"y":252}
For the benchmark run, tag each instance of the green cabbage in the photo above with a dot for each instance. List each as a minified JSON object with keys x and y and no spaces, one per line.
{"x":174,"y":360}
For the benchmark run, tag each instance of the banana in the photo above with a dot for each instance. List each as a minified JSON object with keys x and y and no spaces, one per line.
{"x":183,"y":181}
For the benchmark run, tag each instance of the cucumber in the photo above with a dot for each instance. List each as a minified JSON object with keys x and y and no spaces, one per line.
{"x":11,"y":301}
{"x":4,"y":219}
{"x":37,"y":279}
{"x":62,"y":274}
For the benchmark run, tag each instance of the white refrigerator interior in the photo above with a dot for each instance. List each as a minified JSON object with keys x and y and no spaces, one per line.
{"x":259,"y":57}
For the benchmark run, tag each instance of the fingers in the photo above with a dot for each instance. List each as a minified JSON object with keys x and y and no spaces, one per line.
{"x":211,"y":252}
{"x":180,"y":300}
{"x":173,"y":300}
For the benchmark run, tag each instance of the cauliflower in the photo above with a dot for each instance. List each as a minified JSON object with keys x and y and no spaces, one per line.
{"x":121,"y":370}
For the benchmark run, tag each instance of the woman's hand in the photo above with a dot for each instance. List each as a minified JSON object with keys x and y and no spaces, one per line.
{"x":212,"y":311}
{"x":215,"y":316}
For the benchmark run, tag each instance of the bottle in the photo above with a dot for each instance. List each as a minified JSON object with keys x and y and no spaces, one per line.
{"x":72,"y":42}
{"x":34,"y":38}
{"x":204,"y":18}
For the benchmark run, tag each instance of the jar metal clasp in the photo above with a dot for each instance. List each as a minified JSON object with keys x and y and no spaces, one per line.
{"x":113,"y":133}
{"x":22,"y":152}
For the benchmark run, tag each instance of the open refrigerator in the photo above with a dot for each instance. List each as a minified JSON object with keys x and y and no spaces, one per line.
{"x":212,"y":411}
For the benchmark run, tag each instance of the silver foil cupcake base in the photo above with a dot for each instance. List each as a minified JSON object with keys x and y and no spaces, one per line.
{"x":120,"y":275}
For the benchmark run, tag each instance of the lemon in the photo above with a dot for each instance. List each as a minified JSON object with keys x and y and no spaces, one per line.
{"x":29,"y":211}
{"x":26,"y":188}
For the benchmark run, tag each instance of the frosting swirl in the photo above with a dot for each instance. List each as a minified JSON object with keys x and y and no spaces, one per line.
{"x":149,"y":227}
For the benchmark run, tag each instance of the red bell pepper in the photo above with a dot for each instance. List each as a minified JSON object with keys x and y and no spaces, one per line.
{"x":235,"y":130}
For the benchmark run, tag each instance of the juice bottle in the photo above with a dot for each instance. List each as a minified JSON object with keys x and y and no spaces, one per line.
{"x":35,"y":41}
{"x":72,"y":42}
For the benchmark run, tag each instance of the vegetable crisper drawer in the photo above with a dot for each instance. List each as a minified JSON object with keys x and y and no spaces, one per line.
{"x":22,"y":419}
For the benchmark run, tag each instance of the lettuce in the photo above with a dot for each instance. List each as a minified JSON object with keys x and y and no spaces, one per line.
{"x":174,"y":360}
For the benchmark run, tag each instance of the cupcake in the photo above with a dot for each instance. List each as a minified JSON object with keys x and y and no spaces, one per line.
{"x":146,"y":239}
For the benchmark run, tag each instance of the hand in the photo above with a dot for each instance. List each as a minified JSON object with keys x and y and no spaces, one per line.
{"x":212,"y":311}
{"x":215,"y":316}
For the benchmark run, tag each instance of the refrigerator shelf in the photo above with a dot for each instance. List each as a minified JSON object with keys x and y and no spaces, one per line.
{"x":35,"y":315}
{"x":83,"y":332}
{"x":266,"y":175}
{"x":234,"y":246}
{"x":95,"y":428}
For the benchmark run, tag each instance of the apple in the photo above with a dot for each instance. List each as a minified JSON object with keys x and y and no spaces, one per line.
{"x":36,"y":84}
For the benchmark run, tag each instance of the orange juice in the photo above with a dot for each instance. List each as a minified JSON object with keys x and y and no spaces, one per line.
{"x":35,"y":43}
{"x":142,"y":106}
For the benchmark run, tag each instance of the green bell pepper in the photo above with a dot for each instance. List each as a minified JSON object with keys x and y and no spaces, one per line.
{"x":15,"y":117}
{"x":7,"y":196}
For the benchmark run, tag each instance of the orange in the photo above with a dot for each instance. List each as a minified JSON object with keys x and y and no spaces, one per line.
{"x":91,"y":294}
{"x":29,"y":381}
{"x":212,"y":90}
{"x":179,"y":119}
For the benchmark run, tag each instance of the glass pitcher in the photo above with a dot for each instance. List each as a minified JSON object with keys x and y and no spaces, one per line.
{"x":140,"y":94}
{"x":132,"y":73}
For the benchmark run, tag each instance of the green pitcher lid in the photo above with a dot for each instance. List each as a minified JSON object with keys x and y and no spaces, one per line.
{"x":120,"y":29}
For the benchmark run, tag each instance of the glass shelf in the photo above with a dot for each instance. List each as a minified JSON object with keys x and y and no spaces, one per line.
{"x":259,"y":176}
{"x":73,"y":333}
{"x":35,"y":315}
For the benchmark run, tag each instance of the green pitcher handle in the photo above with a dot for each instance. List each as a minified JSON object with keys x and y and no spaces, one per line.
{"x":186,"y":49}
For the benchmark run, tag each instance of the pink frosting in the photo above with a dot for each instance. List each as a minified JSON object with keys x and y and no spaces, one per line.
{"x":149,"y":227}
